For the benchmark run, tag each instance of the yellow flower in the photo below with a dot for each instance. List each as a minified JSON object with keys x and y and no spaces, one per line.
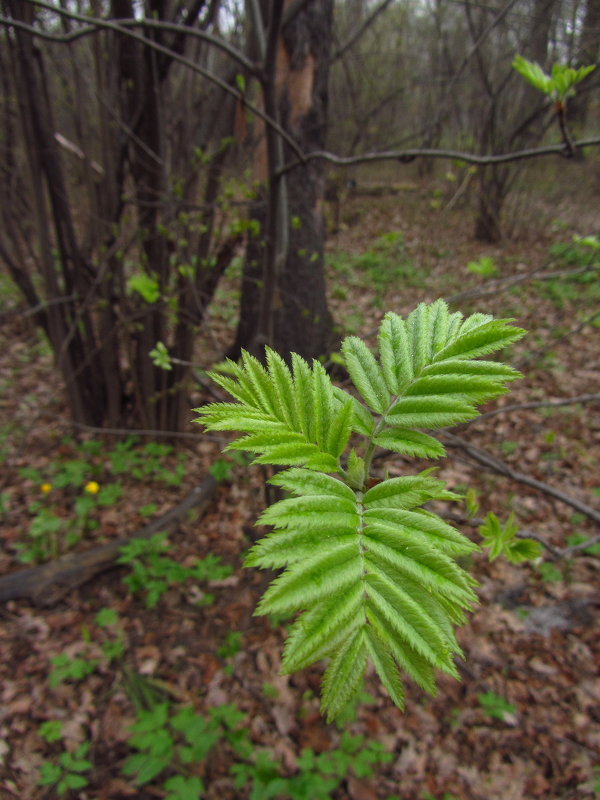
{"x":45,"y":488}
{"x":92,"y":487}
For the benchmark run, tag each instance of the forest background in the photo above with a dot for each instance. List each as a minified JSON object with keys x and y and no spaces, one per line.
{"x":181,"y":180}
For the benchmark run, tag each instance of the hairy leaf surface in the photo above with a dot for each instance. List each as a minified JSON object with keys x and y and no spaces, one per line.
{"x":369,"y":571}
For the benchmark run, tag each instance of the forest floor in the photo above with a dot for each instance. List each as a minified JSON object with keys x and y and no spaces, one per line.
{"x":524,"y":721}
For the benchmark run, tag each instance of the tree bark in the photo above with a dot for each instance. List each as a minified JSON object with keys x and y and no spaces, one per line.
{"x":300,"y":319}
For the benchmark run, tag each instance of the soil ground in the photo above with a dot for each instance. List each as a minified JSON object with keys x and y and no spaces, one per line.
{"x":533,"y":641}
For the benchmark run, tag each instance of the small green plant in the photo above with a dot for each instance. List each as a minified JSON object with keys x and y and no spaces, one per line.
{"x":68,"y":774}
{"x":220,"y":469}
{"x":169,"y":741}
{"x":152,"y":572}
{"x":508,"y":447}
{"x":549,"y":573}
{"x":160,"y":356}
{"x":495,"y":706}
{"x":317,"y":775}
{"x":583,"y":284}
{"x":580,"y":538}
{"x":471,"y":503}
{"x":51,"y":730}
{"x":146,"y":462}
{"x":386,"y":262}
{"x":374,"y":572}
{"x":232,"y":645}
{"x":65,"y":668}
{"x":484,"y":266}
{"x":501,"y":540}
{"x":270,"y":691}
{"x":51,"y":532}
{"x":596,"y":780}
{"x":114,"y":647}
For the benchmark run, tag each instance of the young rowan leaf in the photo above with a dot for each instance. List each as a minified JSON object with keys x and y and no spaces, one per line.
{"x":372,"y":572}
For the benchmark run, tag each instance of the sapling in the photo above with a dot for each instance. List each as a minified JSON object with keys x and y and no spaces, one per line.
{"x":373,"y":571}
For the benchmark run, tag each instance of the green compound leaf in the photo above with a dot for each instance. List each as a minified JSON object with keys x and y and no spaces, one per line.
{"x":371,"y":573}
{"x":349,"y":568}
{"x":288,"y":417}
{"x":410,"y":443}
{"x":366,"y":374}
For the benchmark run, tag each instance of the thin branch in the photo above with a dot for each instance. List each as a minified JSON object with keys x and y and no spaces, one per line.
{"x":455,"y":155}
{"x":574,"y":548}
{"x":92,"y":24}
{"x":30,"y":312}
{"x":496,"y":465}
{"x":106,"y":25}
{"x":582,"y":398}
{"x":493,"y":287}
{"x":221,"y":440}
{"x":536,"y":353}
{"x":362,"y":28}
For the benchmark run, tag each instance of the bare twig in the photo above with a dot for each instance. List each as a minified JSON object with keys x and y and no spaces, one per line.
{"x":92,"y":25}
{"x":497,"y":465}
{"x":425,"y":152}
{"x":141,"y":432}
{"x":568,"y":401}
{"x":30,"y":312}
{"x":98,"y":24}
{"x":574,"y":548}
{"x":501,"y":284}
{"x":356,"y":34}
{"x":541,"y":350}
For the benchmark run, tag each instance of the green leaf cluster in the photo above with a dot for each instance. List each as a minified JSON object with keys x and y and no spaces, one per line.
{"x":559,"y":84}
{"x":317,"y":776}
{"x":160,"y":356}
{"x":373,"y":572}
{"x":495,"y":706}
{"x":167,"y":741}
{"x":68,"y":773}
{"x":65,"y":668}
{"x":152,"y":572}
{"x":501,"y":540}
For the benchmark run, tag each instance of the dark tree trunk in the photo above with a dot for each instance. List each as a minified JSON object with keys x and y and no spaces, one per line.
{"x":488,"y":226}
{"x":301,"y":321}
{"x":589,"y":53}
{"x":517,"y":126}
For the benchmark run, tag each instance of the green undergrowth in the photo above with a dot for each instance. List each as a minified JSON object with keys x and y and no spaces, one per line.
{"x":581,"y":258}
{"x":376,"y":270}
{"x":171,"y":745}
{"x":65,"y":499}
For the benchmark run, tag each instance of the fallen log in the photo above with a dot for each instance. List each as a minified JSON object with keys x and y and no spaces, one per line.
{"x":46,"y":584}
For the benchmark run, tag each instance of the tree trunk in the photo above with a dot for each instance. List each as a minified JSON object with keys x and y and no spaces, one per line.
{"x":300,"y":319}
{"x":517,"y":125}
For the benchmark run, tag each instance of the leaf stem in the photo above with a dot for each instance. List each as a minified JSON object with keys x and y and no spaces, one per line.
{"x":370,"y":451}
